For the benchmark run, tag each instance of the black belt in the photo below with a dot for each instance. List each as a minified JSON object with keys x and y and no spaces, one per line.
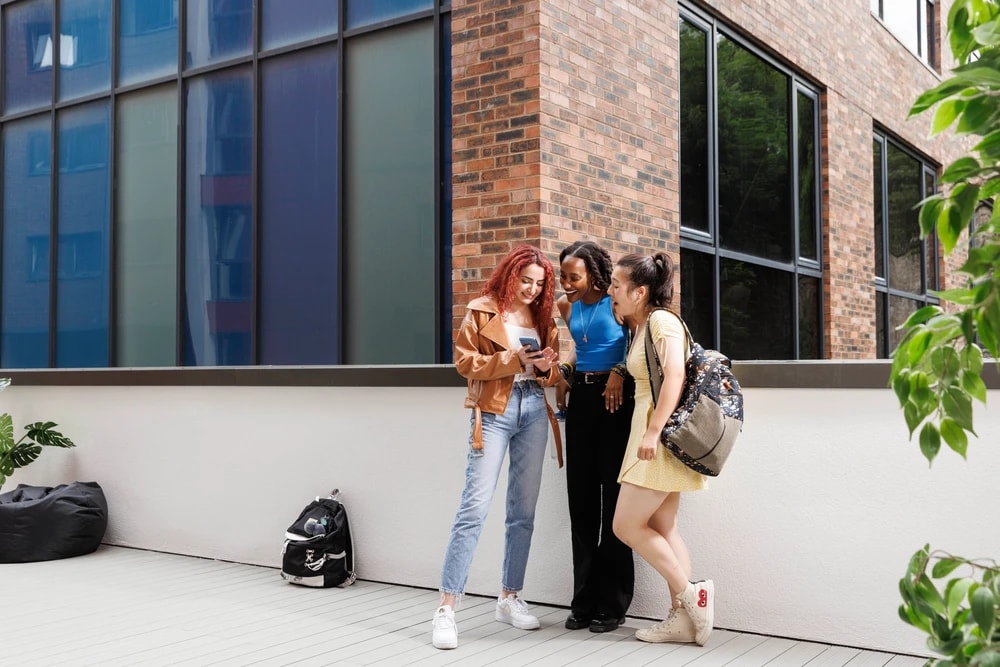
{"x":596,"y":377}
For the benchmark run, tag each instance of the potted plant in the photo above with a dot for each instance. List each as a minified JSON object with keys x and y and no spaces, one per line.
{"x":40,"y":522}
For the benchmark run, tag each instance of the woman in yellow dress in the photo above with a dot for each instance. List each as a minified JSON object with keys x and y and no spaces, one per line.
{"x":651,"y":478}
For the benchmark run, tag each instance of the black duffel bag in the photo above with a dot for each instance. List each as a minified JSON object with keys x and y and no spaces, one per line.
{"x":46,"y":523}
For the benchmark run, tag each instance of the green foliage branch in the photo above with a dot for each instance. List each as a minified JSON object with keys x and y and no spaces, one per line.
{"x":937,"y":368}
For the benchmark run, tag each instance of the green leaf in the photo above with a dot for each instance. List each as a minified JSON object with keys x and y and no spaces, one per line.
{"x":946,"y":114}
{"x":918,"y":346}
{"x":983,"y":609}
{"x":960,"y":169}
{"x":978,"y":73}
{"x":976,"y":115}
{"x":944,"y":567}
{"x":990,"y":188}
{"x":930,"y":441}
{"x":954,"y":435}
{"x":43,"y":434}
{"x":987,"y":333}
{"x":929,"y":98}
{"x":929,"y":593}
{"x":962,"y":296}
{"x":901,"y":386}
{"x":973,"y":384}
{"x":913,"y":417}
{"x":6,"y":433}
{"x":955,"y":593}
{"x":986,"y":658}
{"x":958,"y":405}
{"x":930,"y":211}
{"x":972,"y":358}
{"x":921,"y":316}
{"x":945,"y":226}
{"x":987,"y":33}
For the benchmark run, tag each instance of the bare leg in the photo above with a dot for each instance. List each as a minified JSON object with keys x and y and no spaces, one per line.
{"x":664,"y":521}
{"x":634,"y":525}
{"x":448,"y":599}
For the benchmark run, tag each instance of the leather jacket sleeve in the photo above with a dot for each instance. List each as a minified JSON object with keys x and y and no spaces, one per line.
{"x":475,"y":364}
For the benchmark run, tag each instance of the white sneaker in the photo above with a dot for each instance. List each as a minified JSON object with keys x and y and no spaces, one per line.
{"x":512,"y":610}
{"x":445,"y":629}
{"x":698,"y":600}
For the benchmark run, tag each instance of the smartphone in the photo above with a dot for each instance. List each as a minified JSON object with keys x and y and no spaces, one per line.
{"x":531,"y":343}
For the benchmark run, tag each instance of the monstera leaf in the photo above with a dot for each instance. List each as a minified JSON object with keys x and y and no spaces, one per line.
{"x":14,"y":455}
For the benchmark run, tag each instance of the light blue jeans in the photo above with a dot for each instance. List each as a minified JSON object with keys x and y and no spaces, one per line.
{"x":523,"y":429}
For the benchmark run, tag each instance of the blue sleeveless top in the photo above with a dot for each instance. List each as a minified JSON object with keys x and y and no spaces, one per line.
{"x":600,"y":340}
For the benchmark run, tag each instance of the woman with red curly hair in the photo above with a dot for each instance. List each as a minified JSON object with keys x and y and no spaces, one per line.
{"x":508,"y":349}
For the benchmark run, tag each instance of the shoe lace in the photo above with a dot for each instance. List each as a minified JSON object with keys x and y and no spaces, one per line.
{"x":517,"y":605}
{"x":444,"y":620}
{"x":667,"y":622}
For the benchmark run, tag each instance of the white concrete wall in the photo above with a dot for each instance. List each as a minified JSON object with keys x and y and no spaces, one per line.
{"x":806,"y":534}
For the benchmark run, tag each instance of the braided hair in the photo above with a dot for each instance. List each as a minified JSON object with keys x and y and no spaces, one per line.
{"x":595,"y":258}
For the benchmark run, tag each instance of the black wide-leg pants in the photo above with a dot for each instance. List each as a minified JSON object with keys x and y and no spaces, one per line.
{"x":603,"y":571}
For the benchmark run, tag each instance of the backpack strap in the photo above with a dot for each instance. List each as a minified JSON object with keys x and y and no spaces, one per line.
{"x":656,"y":379}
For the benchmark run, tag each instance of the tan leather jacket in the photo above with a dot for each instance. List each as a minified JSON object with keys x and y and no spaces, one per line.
{"x":483,"y":356}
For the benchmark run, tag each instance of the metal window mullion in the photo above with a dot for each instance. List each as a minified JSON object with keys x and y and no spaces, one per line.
{"x":439,"y":284}
{"x":112,"y":200}
{"x":180,"y":213}
{"x":256,"y":142}
{"x":340,"y":352}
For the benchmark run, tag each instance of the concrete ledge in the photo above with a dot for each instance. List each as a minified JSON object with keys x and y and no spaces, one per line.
{"x":822,"y":374}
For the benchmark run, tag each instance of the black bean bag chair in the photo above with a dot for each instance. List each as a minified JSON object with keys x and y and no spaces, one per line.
{"x":46,"y":523}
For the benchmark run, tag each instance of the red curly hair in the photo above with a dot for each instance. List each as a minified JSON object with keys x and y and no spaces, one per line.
{"x":505,"y":282}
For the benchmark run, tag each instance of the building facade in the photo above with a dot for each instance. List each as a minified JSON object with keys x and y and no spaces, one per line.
{"x":309,"y":183}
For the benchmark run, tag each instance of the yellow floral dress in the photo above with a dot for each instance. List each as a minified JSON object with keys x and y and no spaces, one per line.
{"x":664,"y":472}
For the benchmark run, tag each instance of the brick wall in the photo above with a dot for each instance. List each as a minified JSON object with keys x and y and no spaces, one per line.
{"x":566,"y":127}
{"x":496,"y":155}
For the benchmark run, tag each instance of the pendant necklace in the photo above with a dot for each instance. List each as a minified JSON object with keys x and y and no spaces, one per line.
{"x":593,"y":314}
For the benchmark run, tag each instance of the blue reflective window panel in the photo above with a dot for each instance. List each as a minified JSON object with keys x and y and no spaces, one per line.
{"x":286,"y":22}
{"x":365,"y":12}
{"x":27,"y":50}
{"x":84,"y":47}
{"x":300,"y":268}
{"x":148,"y":39}
{"x":445,"y":150}
{"x":218,"y":270}
{"x":218,"y":30}
{"x":82,"y":260}
{"x":24,"y":327}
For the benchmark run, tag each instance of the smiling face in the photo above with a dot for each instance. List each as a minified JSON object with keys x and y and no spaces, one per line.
{"x":531,"y":282}
{"x":625,"y":297}
{"x":574,"y":279}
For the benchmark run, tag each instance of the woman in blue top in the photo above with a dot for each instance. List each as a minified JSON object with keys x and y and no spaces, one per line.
{"x":598,"y":418}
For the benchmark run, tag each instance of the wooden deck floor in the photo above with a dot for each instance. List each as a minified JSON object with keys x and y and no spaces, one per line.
{"x":121,"y":607}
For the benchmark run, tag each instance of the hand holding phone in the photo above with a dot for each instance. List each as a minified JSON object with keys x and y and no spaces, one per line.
{"x":531,"y":343}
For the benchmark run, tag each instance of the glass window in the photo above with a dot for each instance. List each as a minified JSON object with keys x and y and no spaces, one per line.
{"x":694,"y":128}
{"x":698,"y":295}
{"x":148,"y":39}
{"x":366,"y":12}
{"x":218,"y":30}
{"x":300,"y":267}
{"x":24,"y":327}
{"x":754,"y":162}
{"x":806,"y":111}
{"x":913,"y":22}
{"x":146,"y":229}
{"x":389,"y":188}
{"x":218,"y":277}
{"x":27,"y":49}
{"x":310,"y":19}
{"x":752,"y":264}
{"x":901,"y":181}
{"x":879,"y":207}
{"x":82,"y":289}
{"x":755,"y":299}
{"x":810,"y":325}
{"x":84,"y":47}
{"x":905,"y":181}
